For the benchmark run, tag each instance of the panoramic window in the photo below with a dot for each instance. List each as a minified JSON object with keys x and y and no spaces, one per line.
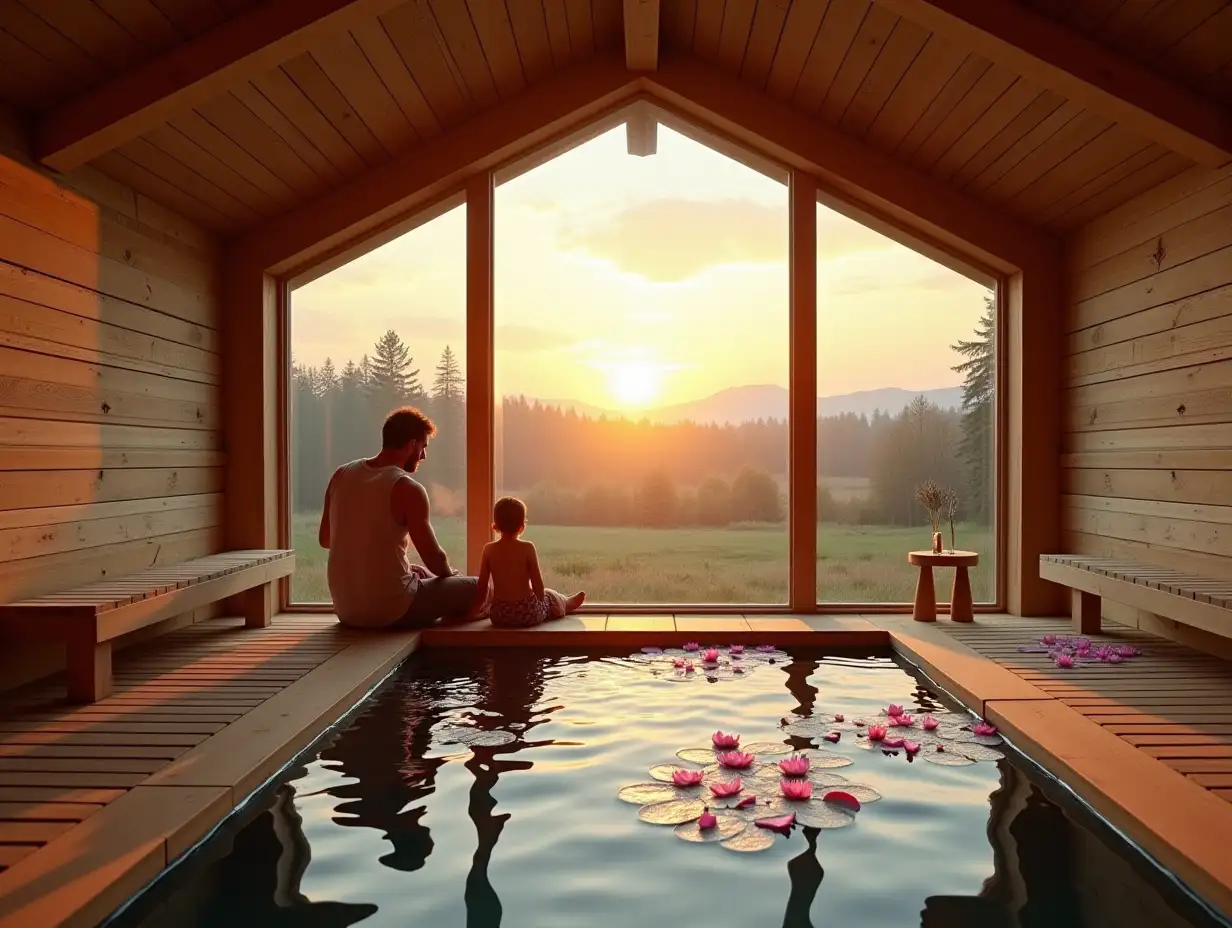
{"x":385,"y":330}
{"x":906,"y":384}
{"x":641,"y":357}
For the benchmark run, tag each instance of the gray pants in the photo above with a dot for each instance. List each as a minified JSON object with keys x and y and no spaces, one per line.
{"x":439,"y":598}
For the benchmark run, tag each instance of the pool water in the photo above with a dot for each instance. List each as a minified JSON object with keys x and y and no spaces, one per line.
{"x":384,"y":823}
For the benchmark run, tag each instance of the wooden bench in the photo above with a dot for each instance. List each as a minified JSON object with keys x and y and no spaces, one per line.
{"x":1203,"y":602}
{"x":86,"y":619}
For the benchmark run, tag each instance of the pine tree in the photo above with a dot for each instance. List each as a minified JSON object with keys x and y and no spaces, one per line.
{"x":449,"y":384}
{"x":979,"y":390}
{"x":391,"y":376}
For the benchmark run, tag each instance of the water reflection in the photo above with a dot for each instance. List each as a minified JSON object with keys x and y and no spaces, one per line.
{"x":379,"y":774}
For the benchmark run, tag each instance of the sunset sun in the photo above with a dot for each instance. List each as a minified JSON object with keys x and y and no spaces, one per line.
{"x":633,"y":383}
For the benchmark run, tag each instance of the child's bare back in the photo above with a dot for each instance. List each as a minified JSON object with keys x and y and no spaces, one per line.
{"x":511,"y":566}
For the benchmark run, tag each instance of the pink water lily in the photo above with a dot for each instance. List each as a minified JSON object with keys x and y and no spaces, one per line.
{"x":710,"y":656}
{"x":1049,"y":640}
{"x":838,"y":718}
{"x":766,"y":647}
{"x":687,"y":777}
{"x":736,"y":760}
{"x":795,"y":766}
{"x":840,"y":798}
{"x":911,"y":747}
{"x":983,"y":728}
{"x":692,"y":646}
{"x":941,"y":749}
{"x":730,"y":788}
{"x":736,"y":650}
{"x":876,"y":732}
{"x":1064,"y":660}
{"x":903,"y":721}
{"x":688,"y":667}
{"x":859,"y":723}
{"x":1114,"y":658}
{"x":893,"y":711}
{"x":796,"y":789}
{"x":928,"y":723}
{"x":892,"y":742}
{"x":780,"y":823}
{"x":832,"y":737}
{"x":678,"y":663}
{"x":746,"y":802}
{"x":725,"y":741}
{"x":707,"y":820}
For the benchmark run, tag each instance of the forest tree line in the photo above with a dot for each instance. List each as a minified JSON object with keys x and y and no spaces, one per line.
{"x":584,"y":470}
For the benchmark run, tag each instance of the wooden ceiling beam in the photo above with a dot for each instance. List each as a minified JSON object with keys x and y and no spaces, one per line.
{"x":641,"y":131}
{"x":254,"y":41}
{"x":902,"y":197}
{"x":1085,"y":71}
{"x":385,"y":195}
{"x":641,"y":34}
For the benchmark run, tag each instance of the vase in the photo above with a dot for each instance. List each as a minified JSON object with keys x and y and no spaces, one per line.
{"x":936,"y":542}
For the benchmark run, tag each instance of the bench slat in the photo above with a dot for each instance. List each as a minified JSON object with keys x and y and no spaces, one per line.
{"x":1202,"y":602}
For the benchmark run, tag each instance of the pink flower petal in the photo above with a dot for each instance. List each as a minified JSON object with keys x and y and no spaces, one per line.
{"x":894,"y":710}
{"x":838,"y":797}
{"x":832,"y":737}
{"x":928,"y":723}
{"x":911,"y":747}
{"x":707,"y":820}
{"x":746,"y":802}
{"x":725,"y":741}
{"x":725,"y":789}
{"x":892,"y":742}
{"x":780,"y":823}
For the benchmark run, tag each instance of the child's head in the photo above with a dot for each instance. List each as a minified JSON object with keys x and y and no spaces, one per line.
{"x":509,"y":515}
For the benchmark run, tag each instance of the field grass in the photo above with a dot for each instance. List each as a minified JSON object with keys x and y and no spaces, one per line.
{"x":746,"y":564}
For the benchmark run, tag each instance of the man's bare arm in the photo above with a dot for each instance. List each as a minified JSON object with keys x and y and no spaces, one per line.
{"x":415,"y":516}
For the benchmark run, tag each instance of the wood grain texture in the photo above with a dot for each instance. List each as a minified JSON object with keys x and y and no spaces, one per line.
{"x":110,"y":388}
{"x":1148,"y":401}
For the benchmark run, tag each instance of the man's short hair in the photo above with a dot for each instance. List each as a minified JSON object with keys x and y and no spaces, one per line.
{"x":405,"y":425}
{"x":509,"y":514}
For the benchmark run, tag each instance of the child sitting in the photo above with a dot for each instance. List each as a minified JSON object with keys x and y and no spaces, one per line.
{"x":519,"y":599}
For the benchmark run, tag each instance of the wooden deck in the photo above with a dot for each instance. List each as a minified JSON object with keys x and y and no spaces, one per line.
{"x":199,"y":718}
{"x":1172,"y":703}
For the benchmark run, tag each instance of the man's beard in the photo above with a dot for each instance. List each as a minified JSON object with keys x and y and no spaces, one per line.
{"x":410,"y":464}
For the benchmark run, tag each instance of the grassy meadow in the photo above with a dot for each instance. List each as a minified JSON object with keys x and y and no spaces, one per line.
{"x":738,"y":564}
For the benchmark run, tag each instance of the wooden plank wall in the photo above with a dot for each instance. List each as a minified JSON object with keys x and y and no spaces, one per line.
{"x":1147,"y":468}
{"x":110,"y":411}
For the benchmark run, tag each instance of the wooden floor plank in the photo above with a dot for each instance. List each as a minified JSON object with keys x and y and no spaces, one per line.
{"x":47,"y":811}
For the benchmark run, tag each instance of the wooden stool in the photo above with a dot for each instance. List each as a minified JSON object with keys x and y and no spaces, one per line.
{"x":961,"y":609}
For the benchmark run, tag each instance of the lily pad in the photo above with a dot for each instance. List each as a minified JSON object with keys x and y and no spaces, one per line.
{"x":827,"y":759}
{"x":976,"y":752}
{"x":750,"y":840}
{"x":702,"y":756}
{"x":822,"y":778}
{"x":860,"y":791}
{"x":664,"y":772}
{"x":804,"y":729}
{"x":672,"y":812}
{"x":771,"y":748}
{"x":640,"y":794}
{"x":818,"y":814}
{"x":726,"y":826}
{"x":946,"y":758}
{"x":477,"y":737}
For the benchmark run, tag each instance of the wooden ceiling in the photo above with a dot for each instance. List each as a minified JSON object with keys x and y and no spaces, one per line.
{"x":385,"y":82}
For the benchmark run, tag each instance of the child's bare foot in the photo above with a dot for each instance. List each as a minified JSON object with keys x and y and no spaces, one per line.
{"x":574,"y":601}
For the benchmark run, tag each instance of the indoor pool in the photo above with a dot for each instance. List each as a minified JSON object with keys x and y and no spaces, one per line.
{"x":534,"y":788}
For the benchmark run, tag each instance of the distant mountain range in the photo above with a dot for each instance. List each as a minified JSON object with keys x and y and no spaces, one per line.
{"x":748,"y":403}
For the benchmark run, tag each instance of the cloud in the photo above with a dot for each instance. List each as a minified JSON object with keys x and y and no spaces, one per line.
{"x":670,"y":240}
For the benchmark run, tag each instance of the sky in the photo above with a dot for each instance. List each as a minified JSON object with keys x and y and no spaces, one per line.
{"x":627,"y":283}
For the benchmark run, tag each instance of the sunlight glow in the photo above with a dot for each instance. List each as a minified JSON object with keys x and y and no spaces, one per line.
{"x":634,"y":383}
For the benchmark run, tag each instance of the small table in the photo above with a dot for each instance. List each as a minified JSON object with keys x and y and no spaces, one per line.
{"x":925,"y":609}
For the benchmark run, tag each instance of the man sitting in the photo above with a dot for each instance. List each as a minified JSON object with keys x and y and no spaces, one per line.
{"x":373,"y":511}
